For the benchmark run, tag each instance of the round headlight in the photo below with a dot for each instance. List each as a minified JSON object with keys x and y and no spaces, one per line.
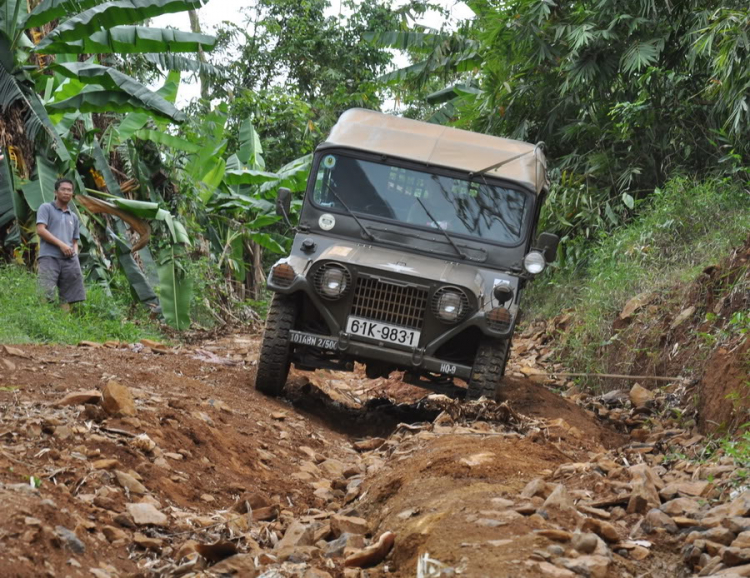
{"x":332,"y":281}
{"x":449,"y":306}
{"x":534,"y":262}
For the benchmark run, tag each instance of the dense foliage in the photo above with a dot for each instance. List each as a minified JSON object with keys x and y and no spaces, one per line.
{"x":625,"y":94}
{"x":198,"y":183}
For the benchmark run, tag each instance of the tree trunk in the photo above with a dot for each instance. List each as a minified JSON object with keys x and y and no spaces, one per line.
{"x":195,"y":26}
{"x":255,"y":279}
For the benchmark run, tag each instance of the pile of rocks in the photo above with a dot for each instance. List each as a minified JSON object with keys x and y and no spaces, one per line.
{"x":645,"y":493}
{"x":108,"y":481}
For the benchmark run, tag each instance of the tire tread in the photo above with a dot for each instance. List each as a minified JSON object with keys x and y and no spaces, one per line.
{"x":488,"y":369}
{"x":274,"y":360}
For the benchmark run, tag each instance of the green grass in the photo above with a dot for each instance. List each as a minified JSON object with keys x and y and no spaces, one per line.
{"x":25,"y":317}
{"x":682,"y":229}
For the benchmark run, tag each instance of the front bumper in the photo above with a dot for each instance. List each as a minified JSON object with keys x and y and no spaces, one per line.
{"x":478,"y":319}
{"x":407,"y":359}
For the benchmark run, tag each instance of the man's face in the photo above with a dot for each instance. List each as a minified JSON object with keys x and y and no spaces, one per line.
{"x":64,"y":193}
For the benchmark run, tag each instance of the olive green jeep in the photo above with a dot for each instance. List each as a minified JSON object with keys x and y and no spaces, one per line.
{"x":413,"y":244}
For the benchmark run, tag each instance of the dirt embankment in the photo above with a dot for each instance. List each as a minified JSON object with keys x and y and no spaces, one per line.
{"x":697,"y":331}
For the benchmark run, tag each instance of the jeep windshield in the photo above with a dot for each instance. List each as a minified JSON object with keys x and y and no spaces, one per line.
{"x":460,"y":207}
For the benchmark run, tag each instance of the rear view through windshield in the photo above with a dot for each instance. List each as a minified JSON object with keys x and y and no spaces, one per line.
{"x":458,"y":206}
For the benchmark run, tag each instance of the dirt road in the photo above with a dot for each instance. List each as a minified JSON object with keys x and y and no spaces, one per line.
{"x":130,"y":460}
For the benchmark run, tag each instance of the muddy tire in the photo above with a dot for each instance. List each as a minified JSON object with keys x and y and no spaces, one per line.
{"x":275,"y":350}
{"x":488,"y":369}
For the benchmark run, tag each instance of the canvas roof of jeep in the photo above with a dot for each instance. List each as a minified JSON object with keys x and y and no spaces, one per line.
{"x":433,"y":144}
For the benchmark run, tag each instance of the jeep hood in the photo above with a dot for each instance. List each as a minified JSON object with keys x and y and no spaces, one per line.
{"x":406,"y":264}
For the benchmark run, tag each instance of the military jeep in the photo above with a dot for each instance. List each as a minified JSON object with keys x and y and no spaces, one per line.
{"x":413,"y":245}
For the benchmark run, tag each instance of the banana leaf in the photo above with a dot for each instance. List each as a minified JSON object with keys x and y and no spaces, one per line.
{"x":9,"y":11}
{"x":42,"y":189}
{"x":181,"y":235}
{"x":167,"y":61}
{"x":451,"y":92}
{"x":245,"y":203}
{"x":175,"y":292}
{"x":141,"y":209}
{"x":70,"y":87}
{"x":137,"y":120}
{"x":114,"y":80}
{"x":149,"y":266}
{"x":262,"y":221}
{"x":14,"y":87}
{"x":7,"y":194}
{"x":49,"y":10}
{"x":132,"y":40}
{"x":110,"y":101}
{"x":250,"y":147}
{"x":292,"y":175}
{"x":249,"y":177}
{"x":265,"y":240}
{"x":167,"y":139}
{"x":131,"y":217}
{"x":111,"y":14}
{"x":233,"y":163}
{"x":137,"y":279}
{"x":237,"y":258}
{"x":212,"y":179}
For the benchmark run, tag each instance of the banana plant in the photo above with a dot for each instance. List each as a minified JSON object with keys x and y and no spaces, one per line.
{"x":175,"y":286}
{"x":90,"y":26}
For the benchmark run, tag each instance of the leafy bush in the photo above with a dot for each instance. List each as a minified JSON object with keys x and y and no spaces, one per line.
{"x":682,"y":228}
{"x":26,"y":317}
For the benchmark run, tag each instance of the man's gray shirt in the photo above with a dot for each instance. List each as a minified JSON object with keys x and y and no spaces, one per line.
{"x":62,"y":224}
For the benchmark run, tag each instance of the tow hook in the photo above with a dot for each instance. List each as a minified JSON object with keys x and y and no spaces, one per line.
{"x":343,"y":341}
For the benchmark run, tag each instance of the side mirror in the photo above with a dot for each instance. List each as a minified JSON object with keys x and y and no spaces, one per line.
{"x":547,"y":244}
{"x":283,"y":202}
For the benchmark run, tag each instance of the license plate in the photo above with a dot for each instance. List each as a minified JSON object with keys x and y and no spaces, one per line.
{"x":382,"y":331}
{"x":314,"y":340}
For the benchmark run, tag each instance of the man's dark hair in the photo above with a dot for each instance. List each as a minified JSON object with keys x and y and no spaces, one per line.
{"x":59,"y":182}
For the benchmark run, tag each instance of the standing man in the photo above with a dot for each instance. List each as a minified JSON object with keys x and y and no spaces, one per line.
{"x":58,"y":229}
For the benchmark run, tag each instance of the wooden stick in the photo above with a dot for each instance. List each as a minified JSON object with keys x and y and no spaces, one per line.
{"x":619,"y":376}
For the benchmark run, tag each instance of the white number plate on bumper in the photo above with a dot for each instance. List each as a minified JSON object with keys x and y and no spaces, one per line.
{"x":382,"y":331}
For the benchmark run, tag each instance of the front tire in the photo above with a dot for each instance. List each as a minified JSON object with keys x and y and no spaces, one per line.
{"x":275,"y":350}
{"x":488,"y":369}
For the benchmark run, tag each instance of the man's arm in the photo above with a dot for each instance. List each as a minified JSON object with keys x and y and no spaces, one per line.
{"x":43,"y":232}
{"x":76,"y":235}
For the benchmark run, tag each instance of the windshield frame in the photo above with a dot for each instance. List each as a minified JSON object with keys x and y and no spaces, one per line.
{"x":527,"y":221}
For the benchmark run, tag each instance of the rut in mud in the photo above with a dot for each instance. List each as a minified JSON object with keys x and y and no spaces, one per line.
{"x":144,"y":460}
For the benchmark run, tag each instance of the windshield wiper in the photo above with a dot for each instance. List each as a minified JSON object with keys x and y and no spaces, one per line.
{"x":366,"y":231}
{"x":443,"y":231}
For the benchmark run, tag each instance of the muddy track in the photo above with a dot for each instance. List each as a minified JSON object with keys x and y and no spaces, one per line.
{"x":375,"y":417}
{"x":184,"y":470}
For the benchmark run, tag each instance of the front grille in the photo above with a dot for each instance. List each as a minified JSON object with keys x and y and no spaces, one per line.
{"x":388,"y":303}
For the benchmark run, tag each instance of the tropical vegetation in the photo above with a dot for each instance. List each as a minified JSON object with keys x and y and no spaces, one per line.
{"x":629,"y":96}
